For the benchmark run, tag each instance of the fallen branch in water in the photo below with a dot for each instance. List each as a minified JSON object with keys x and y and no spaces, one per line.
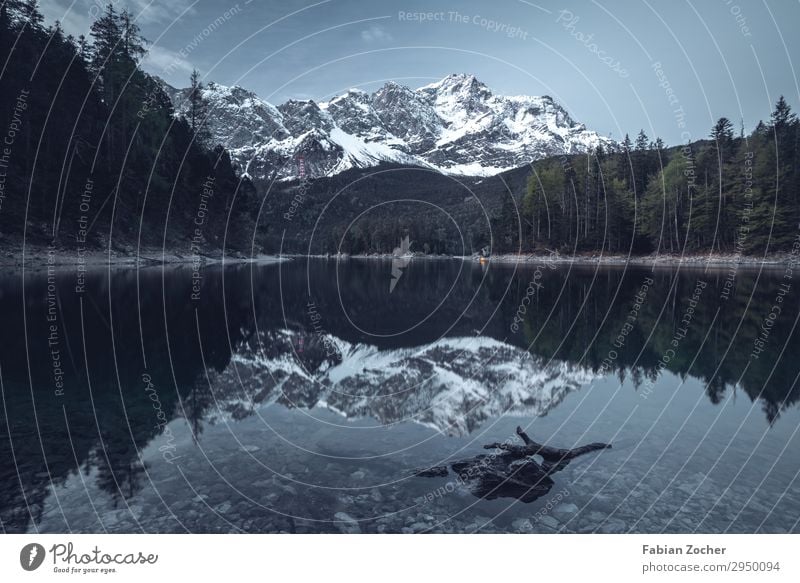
{"x":513,"y":472}
{"x":550,"y":454}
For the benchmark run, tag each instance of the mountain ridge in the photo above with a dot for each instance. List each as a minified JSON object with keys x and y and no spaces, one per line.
{"x":456,"y":126}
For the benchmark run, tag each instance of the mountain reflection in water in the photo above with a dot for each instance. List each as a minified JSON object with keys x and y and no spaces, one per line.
{"x":443,"y":352}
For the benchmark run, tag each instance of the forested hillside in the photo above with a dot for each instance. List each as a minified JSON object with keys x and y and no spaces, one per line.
{"x":725,"y":194}
{"x":92,"y":153}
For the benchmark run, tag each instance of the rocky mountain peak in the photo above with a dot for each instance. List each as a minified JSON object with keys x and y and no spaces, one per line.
{"x":456,"y":125}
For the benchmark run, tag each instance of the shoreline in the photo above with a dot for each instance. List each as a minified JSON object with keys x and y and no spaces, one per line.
{"x":37,"y":258}
{"x":663,"y":260}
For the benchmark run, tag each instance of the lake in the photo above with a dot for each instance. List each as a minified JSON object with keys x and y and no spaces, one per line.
{"x":305,"y":396}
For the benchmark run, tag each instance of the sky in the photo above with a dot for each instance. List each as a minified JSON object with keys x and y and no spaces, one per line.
{"x":669,"y":67}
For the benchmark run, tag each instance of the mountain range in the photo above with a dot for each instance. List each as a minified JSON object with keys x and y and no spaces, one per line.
{"x":455,"y":126}
{"x":452,"y":385}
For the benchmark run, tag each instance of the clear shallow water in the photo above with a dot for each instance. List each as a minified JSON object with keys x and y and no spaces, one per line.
{"x":301,"y":397}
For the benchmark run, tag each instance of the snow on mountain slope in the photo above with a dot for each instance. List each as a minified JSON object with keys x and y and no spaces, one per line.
{"x":456,"y":125}
{"x":361,"y":154}
{"x":452,"y":385}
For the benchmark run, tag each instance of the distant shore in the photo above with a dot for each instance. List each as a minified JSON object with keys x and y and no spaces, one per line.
{"x":665,"y":260}
{"x":37,"y":257}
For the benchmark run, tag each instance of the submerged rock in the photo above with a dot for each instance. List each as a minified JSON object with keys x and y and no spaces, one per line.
{"x":567,"y":508}
{"x":522,"y":525}
{"x":346,"y":523}
{"x":549,"y":521}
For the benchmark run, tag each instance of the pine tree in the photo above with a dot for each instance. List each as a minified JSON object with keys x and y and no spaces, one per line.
{"x":641,"y":164}
{"x":786,"y":130}
{"x":11,"y":14}
{"x":83,"y":48}
{"x":198,"y":108}
{"x":624,"y":161}
{"x":542,"y":208}
{"x":32,"y":16}
{"x":722,"y":133}
{"x":641,"y":141}
{"x":132,"y":41}
{"x":782,"y":117}
{"x":106,"y":53}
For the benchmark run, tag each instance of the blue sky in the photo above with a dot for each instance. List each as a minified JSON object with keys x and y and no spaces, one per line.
{"x":671,"y":68}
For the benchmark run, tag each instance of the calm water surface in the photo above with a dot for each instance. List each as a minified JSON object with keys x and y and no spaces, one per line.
{"x":301,"y":397}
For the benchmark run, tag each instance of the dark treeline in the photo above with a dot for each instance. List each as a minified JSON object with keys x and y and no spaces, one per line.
{"x":91,"y":147}
{"x":725,"y":194}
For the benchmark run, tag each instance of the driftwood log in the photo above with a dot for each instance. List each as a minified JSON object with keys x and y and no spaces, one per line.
{"x":512,"y":471}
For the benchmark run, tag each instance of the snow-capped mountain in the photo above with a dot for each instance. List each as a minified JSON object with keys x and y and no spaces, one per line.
{"x":456,"y":126}
{"x":452,"y":385}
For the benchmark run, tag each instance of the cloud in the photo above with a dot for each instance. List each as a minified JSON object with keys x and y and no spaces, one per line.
{"x":77,"y":16}
{"x":376,"y":33}
{"x":158,"y":12}
{"x":74,"y":20}
{"x":167,"y":64}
